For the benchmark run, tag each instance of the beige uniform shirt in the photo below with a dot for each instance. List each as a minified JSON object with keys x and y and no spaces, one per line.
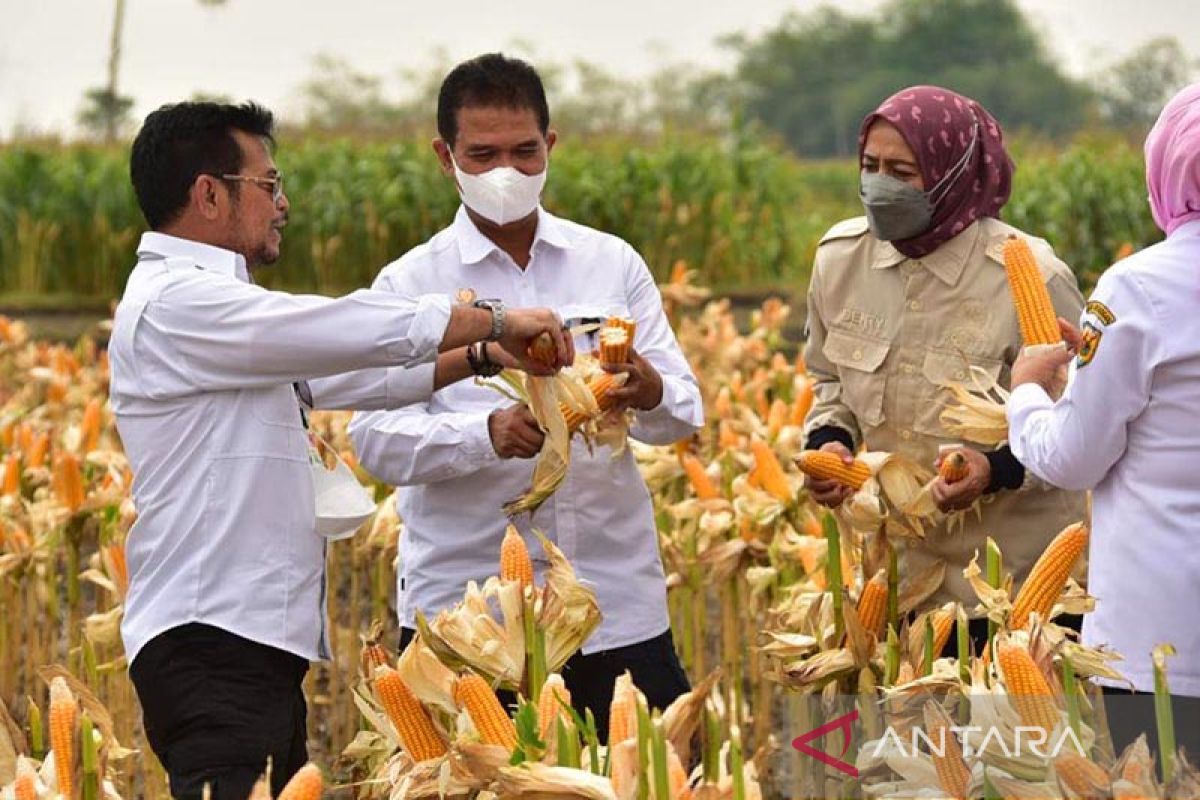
{"x":886,"y":331}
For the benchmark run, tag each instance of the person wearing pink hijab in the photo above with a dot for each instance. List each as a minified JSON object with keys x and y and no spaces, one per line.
{"x":1126,"y":428}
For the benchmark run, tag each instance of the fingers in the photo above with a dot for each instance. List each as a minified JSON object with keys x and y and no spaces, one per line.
{"x":1070,"y":334}
{"x":564,"y":345}
{"x":841,"y":450}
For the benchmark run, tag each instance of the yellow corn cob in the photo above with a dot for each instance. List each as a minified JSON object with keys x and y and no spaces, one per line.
{"x":38,"y":450}
{"x":624,"y":323}
{"x":601,"y":387}
{"x":374,"y":654}
{"x":1035,"y":312}
{"x":418,"y":736}
{"x":541,"y":349}
{"x":1082,"y":776}
{"x":614,"y":345}
{"x":777,"y":417}
{"x":623,"y":713}
{"x":64,"y":714}
{"x":828,"y":466}
{"x":24,"y":437}
{"x":952,"y":771}
{"x":89,"y":428}
{"x":11,"y":484}
{"x":68,"y":481}
{"x":113,"y":558}
{"x":702,"y":485}
{"x":472,"y":693}
{"x":25,"y":785}
{"x":554,"y":694}
{"x":954,"y":467}
{"x":515,"y":563}
{"x":1049,"y":575}
{"x":942,"y":620}
{"x":801,"y":404}
{"x":306,"y":784}
{"x":1027,"y":687}
{"x":872,"y":603}
{"x":770,"y":472}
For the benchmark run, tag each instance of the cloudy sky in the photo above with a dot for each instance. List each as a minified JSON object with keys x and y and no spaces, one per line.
{"x":51,"y":51}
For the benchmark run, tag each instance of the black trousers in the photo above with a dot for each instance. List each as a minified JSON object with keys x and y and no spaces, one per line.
{"x":653,"y":664}
{"x":216,"y":706}
{"x":977,"y":630}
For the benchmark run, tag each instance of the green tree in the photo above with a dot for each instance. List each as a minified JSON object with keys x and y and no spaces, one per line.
{"x":1135,"y":89}
{"x":815,"y":76}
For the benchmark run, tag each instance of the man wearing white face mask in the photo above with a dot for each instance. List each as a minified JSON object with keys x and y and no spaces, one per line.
{"x":466,"y":451}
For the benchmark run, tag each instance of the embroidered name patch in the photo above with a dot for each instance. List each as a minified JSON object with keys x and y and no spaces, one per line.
{"x":1100,"y":312}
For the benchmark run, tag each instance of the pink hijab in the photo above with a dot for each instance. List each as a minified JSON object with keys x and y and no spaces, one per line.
{"x":942,"y":127}
{"x":1173,"y":161}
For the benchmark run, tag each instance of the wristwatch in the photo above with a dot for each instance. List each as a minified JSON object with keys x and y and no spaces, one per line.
{"x":497,"y":308}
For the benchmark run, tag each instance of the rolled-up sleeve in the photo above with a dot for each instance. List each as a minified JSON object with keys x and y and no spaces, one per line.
{"x":1073,"y":443}
{"x":226,"y":334}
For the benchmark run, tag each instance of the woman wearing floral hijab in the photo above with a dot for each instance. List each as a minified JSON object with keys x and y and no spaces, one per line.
{"x":914,"y":295}
{"x":1126,"y":428}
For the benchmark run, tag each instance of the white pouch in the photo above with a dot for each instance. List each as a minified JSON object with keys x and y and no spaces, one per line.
{"x":342,"y":503}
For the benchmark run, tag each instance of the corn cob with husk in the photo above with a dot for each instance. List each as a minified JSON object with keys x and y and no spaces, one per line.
{"x":553,"y":697}
{"x":823,"y":465}
{"x":702,"y":485}
{"x":374,"y":655}
{"x":1082,"y":776}
{"x":515,"y":563}
{"x":10,"y":486}
{"x":1027,"y":686}
{"x":418,"y":735}
{"x":1035,"y":312}
{"x":306,"y":784}
{"x":63,"y":719}
{"x":953,"y":774}
{"x":1046,"y":580}
{"x":872,"y":603}
{"x":472,"y":694}
{"x":68,"y":481}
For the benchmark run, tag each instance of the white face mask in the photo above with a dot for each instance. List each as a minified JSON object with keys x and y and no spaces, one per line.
{"x":501,"y":195}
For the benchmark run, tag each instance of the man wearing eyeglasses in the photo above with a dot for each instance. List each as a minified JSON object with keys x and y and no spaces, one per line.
{"x":226,"y":567}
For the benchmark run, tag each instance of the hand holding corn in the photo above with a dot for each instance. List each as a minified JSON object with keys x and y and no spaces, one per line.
{"x":831,"y":492}
{"x":954,"y":492}
{"x":523,"y":327}
{"x":1045,"y":366}
{"x":643,"y":389}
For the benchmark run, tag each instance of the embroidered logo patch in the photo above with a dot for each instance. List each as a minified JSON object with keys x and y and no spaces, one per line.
{"x":465,"y":296}
{"x":1089,"y":343}
{"x":1100,"y":312}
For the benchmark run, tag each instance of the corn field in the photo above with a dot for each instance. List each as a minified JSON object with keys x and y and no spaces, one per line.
{"x":742,"y":213}
{"x":783,"y":614}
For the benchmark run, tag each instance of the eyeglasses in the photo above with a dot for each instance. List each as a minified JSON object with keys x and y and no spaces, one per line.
{"x":275,"y":184}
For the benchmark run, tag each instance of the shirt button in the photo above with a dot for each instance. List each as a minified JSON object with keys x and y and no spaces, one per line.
{"x":856,"y":355}
{"x":960,"y":375}
{"x":914,"y":305}
{"x":909,"y":369}
{"x":905,"y":435}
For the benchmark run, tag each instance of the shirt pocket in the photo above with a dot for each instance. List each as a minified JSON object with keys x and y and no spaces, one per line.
{"x":940,"y":368}
{"x":596,"y":311}
{"x":859,"y":360}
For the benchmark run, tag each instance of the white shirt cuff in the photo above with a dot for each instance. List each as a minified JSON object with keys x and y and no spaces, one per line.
{"x":477,"y":441}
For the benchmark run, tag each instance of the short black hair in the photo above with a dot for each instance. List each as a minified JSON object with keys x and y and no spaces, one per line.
{"x":493,"y":80}
{"x":181,"y":141}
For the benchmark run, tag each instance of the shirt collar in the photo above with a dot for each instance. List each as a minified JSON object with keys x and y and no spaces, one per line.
{"x":206,"y":256}
{"x":946,"y":263}
{"x":474,"y":247}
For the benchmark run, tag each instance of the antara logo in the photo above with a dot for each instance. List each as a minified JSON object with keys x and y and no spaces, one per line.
{"x":843,"y":723}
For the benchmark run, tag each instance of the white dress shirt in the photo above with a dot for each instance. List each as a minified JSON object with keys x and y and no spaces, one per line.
{"x":455,"y":484}
{"x":203,"y":365}
{"x":1126,"y":428}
